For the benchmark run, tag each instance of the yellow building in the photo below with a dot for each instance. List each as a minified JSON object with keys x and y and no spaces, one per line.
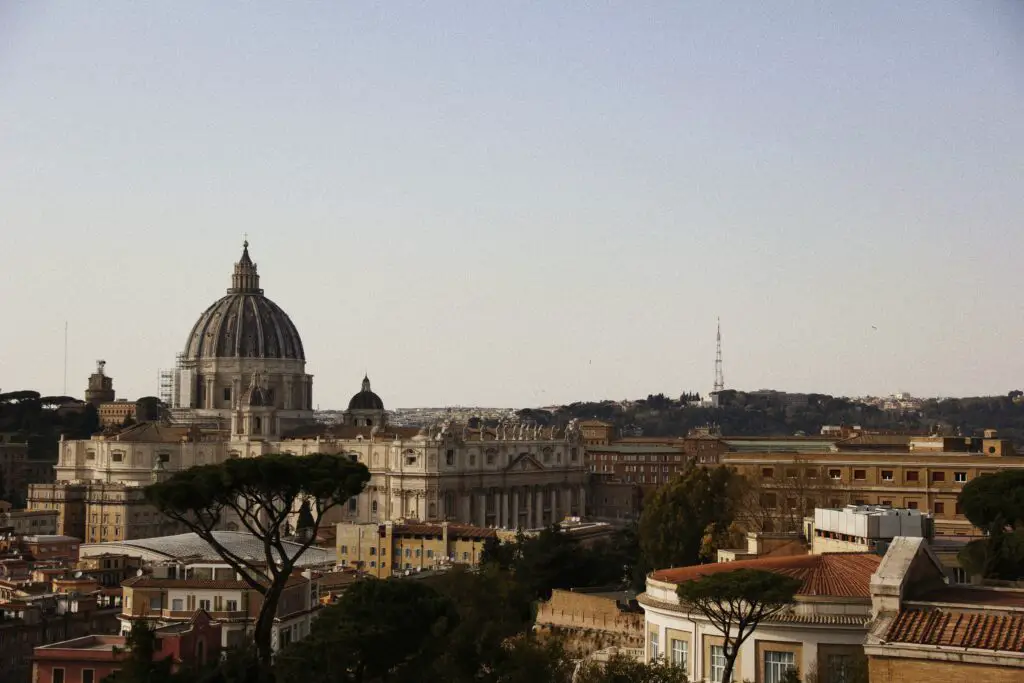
{"x":388,"y":549}
{"x":98,"y":512}
{"x":927,"y":474}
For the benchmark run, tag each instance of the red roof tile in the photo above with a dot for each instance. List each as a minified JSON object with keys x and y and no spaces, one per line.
{"x":841,"y":575}
{"x":958,"y":629}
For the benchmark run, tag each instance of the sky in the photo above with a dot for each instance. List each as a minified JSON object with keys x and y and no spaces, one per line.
{"x":520,"y":204}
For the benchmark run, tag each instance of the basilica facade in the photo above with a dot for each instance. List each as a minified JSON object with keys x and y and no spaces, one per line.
{"x":242,"y":390}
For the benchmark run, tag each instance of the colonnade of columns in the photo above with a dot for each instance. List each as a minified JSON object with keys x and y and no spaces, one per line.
{"x":526,"y":507}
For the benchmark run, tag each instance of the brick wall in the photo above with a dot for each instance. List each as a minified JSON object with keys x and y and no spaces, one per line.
{"x":901,"y":670}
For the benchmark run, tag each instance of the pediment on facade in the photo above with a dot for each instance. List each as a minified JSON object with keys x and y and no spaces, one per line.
{"x":524,"y":462}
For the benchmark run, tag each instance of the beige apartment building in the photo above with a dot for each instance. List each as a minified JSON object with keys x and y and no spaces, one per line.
{"x":97,"y":512}
{"x":916,"y":473}
{"x":390,"y":549}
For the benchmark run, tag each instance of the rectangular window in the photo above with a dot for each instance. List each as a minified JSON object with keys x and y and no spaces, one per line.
{"x":913,"y":475}
{"x":88,"y":676}
{"x":912,"y":505}
{"x":768,"y":472}
{"x":791,"y":473}
{"x":811,"y":473}
{"x":117,"y":457}
{"x":654,"y":646}
{"x":430,"y":554}
{"x":860,"y":475}
{"x":449,"y":457}
{"x":680,"y":652}
{"x":886,"y":475}
{"x":177,"y":605}
{"x":960,"y":476}
{"x":835,"y":474}
{"x":777,"y":664}
{"x":959,"y":509}
{"x":938,"y":476}
{"x":154,"y":603}
{"x":231,"y":605}
{"x":58,"y":676}
{"x":344,"y":550}
{"x":227,"y":393}
{"x":204,"y":605}
{"x":716,"y":666}
{"x":940,"y":508}
{"x":353,"y":504}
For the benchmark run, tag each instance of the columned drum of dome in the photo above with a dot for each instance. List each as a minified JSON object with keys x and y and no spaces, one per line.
{"x":241,"y":335}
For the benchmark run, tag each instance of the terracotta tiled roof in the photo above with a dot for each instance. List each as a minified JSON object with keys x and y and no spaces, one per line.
{"x":787,"y":617}
{"x":843,"y":575}
{"x":147,"y":581}
{"x":454,"y":530}
{"x":958,"y":629}
{"x":152,"y":432}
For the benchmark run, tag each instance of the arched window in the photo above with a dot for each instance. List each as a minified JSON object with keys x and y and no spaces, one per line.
{"x":547,"y":455}
{"x":373,"y":507}
{"x":490,"y":455}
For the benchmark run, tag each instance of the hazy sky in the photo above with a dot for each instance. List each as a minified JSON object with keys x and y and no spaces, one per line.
{"x":521,"y":203}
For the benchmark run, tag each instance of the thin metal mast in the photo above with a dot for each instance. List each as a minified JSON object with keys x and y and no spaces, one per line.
{"x":65,"y":391}
{"x":719,"y":380}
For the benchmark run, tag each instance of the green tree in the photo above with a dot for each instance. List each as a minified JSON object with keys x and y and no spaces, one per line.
{"x":527,"y":659}
{"x":142,"y":664}
{"x":995,"y":504}
{"x":735,"y":602}
{"x":492,"y":607}
{"x":260,"y":493}
{"x":496,"y":553}
{"x":623,"y":669}
{"x":391,"y":630}
{"x":676,"y":517}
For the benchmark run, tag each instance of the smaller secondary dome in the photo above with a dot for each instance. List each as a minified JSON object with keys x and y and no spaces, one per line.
{"x":366,"y":399}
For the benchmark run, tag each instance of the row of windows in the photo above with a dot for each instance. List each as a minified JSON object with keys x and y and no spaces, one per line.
{"x":490,"y":457}
{"x":776,"y":664}
{"x":88,"y":676}
{"x":637,"y":458}
{"x":861,"y":474}
{"x":769,"y":501}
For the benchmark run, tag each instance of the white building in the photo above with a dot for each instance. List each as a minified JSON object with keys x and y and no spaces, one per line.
{"x":824,"y":630}
{"x":863,"y":528}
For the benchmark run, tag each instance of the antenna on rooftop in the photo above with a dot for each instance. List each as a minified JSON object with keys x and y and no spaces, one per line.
{"x":719,"y":379}
{"x":65,"y":392}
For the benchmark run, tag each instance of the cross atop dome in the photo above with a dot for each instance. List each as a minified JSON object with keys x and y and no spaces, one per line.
{"x":245,"y":279}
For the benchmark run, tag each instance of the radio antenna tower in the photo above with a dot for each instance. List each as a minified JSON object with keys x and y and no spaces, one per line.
{"x":719,"y":380}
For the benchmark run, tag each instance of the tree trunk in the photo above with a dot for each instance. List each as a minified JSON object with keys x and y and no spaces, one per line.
{"x":730,"y":662}
{"x":262,"y":634}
